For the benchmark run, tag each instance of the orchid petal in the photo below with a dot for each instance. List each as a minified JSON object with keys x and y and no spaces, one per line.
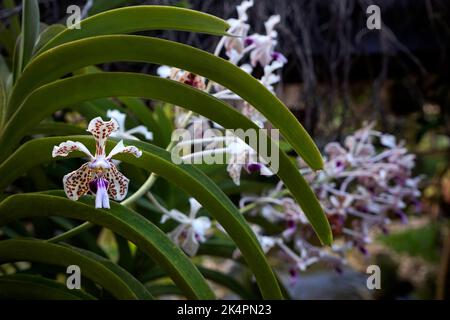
{"x":118,"y":183}
{"x":265,"y":171}
{"x":195,"y":207}
{"x":234,"y":170}
{"x":101,"y":130}
{"x":242,"y":9}
{"x":120,"y":148}
{"x":76,"y":183}
{"x":142,"y":130}
{"x":177,"y":216}
{"x":178,"y":234}
{"x":201,"y":226}
{"x":190,"y":244}
{"x":118,"y":116}
{"x":67,"y":147}
{"x":164,"y":71}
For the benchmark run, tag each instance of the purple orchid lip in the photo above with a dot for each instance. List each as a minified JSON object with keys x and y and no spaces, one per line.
{"x":249,"y":41}
{"x":253,"y":167}
{"x":97,"y":183}
{"x":99,"y":187}
{"x":276,"y":55}
{"x":291,"y":224}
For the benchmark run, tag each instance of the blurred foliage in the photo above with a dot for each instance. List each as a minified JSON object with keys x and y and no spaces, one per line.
{"x":419,"y":242}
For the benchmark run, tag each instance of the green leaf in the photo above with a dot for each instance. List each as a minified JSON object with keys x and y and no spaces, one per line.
{"x":217,"y":277}
{"x":142,"y":18}
{"x":145,"y":116}
{"x":57,"y":129}
{"x":2,"y":99}
{"x":217,"y":247}
{"x":121,"y":220}
{"x":102,"y":271}
{"x":163,"y":289}
{"x":54,"y":96}
{"x":186,"y":177}
{"x":228,"y":282}
{"x":16,"y":61}
{"x":21,"y":286}
{"x":48,"y":34}
{"x":30,"y":31}
{"x":69,"y":57}
{"x":4,"y":70}
{"x":102,"y":5}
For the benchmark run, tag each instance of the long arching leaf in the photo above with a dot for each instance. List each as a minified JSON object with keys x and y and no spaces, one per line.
{"x":21,"y":286}
{"x":100,"y":270}
{"x":54,"y":96}
{"x":141,"y":18}
{"x":71,"y":56}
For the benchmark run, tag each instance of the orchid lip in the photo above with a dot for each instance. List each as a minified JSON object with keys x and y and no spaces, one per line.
{"x":253,"y":167}
{"x":98,"y":183}
{"x":248,"y":41}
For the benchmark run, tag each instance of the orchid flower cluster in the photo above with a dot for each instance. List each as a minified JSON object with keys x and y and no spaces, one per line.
{"x":366,"y":182}
{"x":249,"y":52}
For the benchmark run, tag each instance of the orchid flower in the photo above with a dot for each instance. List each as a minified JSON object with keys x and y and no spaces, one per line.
{"x":242,"y":156}
{"x":239,"y":28}
{"x":263,"y":52}
{"x":99,"y":175}
{"x":182,"y":76}
{"x":121,"y":133}
{"x":191,"y":231}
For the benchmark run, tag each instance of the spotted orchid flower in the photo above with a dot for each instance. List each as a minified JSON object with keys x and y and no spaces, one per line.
{"x":191,"y":231}
{"x":122,"y":133}
{"x":99,"y":176}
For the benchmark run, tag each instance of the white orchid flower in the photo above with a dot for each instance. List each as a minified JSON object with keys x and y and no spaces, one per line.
{"x":191,"y":231}
{"x":121,"y":133}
